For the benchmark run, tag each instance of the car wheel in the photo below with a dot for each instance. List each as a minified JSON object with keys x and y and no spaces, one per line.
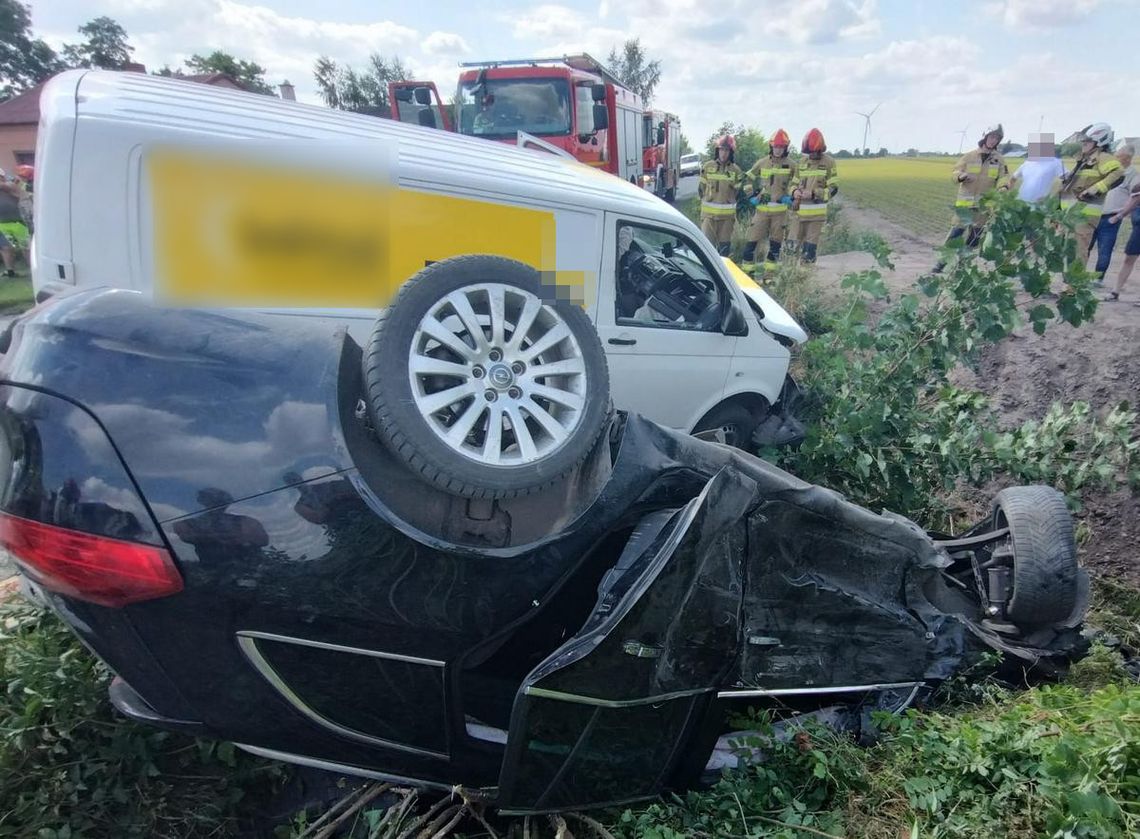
{"x":1047,"y":581}
{"x":481,"y":383}
{"x":735,"y":422}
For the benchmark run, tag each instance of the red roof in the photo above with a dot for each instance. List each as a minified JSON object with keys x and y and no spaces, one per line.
{"x":23,"y":109}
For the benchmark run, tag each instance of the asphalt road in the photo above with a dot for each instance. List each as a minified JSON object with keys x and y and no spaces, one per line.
{"x":687,"y":188}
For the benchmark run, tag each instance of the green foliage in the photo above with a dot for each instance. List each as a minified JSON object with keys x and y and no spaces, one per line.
{"x":364,"y":90}
{"x":70,"y":767}
{"x":1103,"y":666}
{"x":105,"y":46}
{"x":24,"y":59}
{"x":886,"y":425}
{"x":840,"y":238}
{"x":248,"y":74}
{"x":1116,"y":610}
{"x":637,"y":72}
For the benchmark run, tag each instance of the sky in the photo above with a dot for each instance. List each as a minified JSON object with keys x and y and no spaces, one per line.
{"x":937,"y":69}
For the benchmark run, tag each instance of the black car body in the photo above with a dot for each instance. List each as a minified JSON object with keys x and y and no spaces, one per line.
{"x":201,"y":497}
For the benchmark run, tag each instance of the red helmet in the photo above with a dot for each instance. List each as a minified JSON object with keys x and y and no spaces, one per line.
{"x":813,"y":142}
{"x":726,"y":141}
{"x":781,"y":138}
{"x":25,"y":171}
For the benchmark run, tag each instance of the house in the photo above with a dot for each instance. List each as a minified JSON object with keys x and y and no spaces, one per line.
{"x":20,"y":117}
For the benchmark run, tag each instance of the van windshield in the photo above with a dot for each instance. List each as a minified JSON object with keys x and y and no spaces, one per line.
{"x":503,"y":107}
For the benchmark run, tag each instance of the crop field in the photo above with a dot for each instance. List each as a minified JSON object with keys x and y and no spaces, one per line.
{"x":917,"y":193}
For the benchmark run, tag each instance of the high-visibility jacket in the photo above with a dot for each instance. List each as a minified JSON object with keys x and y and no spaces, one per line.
{"x":988,"y":171}
{"x":1097,"y":173}
{"x":818,"y":179}
{"x":772,"y":177}
{"x":718,"y":188}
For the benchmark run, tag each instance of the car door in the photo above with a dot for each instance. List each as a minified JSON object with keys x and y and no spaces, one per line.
{"x":617,"y":712}
{"x":665,"y":369}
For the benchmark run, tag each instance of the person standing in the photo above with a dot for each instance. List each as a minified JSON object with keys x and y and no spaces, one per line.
{"x":1104,"y":237}
{"x":771,"y":179}
{"x":1132,"y":246}
{"x":979,"y":171}
{"x":1041,"y":172}
{"x":13,"y":234}
{"x":718,"y":188}
{"x":1094,"y":174}
{"x":814,"y":184}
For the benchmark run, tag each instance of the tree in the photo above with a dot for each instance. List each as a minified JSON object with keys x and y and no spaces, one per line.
{"x":686,"y":146}
{"x":24,"y":60}
{"x":882,"y":152}
{"x":842,"y":154}
{"x":248,"y":74}
{"x":634,"y":69}
{"x":363,"y":91}
{"x":106,"y":46}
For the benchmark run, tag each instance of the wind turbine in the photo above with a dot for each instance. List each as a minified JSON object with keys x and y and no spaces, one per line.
{"x":867,"y":122}
{"x":962,"y":137}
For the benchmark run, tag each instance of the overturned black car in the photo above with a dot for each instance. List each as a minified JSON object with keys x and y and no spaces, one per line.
{"x":279,"y":538}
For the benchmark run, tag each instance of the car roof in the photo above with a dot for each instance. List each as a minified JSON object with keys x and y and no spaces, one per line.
{"x":426,"y":157}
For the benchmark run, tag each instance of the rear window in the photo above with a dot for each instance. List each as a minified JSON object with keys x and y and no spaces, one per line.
{"x":690,"y":158}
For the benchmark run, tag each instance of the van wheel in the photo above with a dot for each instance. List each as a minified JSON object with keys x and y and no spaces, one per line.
{"x":481,"y":383}
{"x":735,"y":422}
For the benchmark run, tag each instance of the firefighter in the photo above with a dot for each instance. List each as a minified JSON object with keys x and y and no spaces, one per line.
{"x":1094,"y":174}
{"x":813,"y":185}
{"x":979,"y":171}
{"x":720,"y":182}
{"x":771,"y":179}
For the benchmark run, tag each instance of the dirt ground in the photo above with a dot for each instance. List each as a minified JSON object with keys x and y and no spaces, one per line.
{"x":1098,"y":362}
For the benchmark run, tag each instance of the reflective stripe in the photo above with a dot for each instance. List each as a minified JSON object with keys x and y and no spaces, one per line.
{"x":808,"y":210}
{"x":812,"y":173}
{"x":771,"y":173}
{"x":769,"y":266}
{"x":1067,"y":202}
{"x":713,"y":176}
{"x":1092,"y":209}
{"x":772,"y":207}
{"x":711,"y":209}
{"x":747,"y":267}
{"x":962,"y":202}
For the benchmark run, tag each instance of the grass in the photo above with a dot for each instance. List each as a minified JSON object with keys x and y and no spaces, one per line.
{"x":16,"y":294}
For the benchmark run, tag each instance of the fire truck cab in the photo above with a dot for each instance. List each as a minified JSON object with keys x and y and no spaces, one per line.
{"x":573,"y":103}
{"x":661,"y":158}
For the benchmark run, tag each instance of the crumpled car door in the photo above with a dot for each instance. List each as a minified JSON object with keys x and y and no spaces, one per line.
{"x":606,"y":718}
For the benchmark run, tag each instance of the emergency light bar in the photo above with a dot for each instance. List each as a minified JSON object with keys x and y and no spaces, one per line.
{"x":584,"y":62}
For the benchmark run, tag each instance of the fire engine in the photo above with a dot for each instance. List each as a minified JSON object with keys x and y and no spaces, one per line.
{"x":661,"y":158}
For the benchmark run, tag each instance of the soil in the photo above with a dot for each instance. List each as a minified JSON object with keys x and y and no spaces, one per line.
{"x":1098,"y":362}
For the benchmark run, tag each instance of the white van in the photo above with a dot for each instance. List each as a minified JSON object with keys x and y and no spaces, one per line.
{"x":214,"y":197}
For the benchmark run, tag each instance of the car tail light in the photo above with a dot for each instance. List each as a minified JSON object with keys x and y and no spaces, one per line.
{"x":98,"y":569}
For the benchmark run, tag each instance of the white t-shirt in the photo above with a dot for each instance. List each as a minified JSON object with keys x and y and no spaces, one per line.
{"x":1036,"y":177}
{"x":1118,"y":196}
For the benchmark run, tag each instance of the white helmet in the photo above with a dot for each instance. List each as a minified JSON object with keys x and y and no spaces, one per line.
{"x":1100,"y":133}
{"x":992,"y":129}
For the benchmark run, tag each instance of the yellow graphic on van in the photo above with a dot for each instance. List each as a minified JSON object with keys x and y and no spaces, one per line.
{"x":241,"y":233}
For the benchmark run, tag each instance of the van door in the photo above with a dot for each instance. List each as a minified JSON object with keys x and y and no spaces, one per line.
{"x":660,"y":308}
{"x":418,"y":103}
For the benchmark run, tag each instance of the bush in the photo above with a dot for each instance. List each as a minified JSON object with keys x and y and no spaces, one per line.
{"x":70,"y":768}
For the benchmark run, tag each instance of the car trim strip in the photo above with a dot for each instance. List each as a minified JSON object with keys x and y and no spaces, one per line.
{"x":248,"y":643}
{"x":343,"y":768}
{"x":323,"y":645}
{"x":543,"y":693}
{"x":741,"y":694}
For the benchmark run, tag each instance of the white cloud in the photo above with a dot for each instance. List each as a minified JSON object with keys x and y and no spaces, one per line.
{"x":445,"y":43}
{"x":824,"y":21}
{"x":547,"y":22}
{"x":1042,"y":14}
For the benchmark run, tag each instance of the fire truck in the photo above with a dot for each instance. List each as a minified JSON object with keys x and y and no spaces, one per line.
{"x":661,"y":157}
{"x":574,"y":104}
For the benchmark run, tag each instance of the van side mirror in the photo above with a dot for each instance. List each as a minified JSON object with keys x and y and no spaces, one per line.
{"x":423,"y":95}
{"x":598,"y":92}
{"x":403,"y":94}
{"x":733,"y":322}
{"x":601,"y":118}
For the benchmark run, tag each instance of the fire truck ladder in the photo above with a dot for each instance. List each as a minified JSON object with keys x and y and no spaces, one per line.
{"x":583,"y":62}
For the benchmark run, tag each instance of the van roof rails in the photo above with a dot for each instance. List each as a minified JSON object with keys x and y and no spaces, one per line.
{"x":582,"y":61}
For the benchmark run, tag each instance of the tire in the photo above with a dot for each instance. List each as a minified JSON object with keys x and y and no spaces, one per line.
{"x":671,"y":195}
{"x":737,"y":422}
{"x":561,"y":414}
{"x":1046,"y":577}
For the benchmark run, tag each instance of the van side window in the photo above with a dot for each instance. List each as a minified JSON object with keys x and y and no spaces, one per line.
{"x":662,"y":281}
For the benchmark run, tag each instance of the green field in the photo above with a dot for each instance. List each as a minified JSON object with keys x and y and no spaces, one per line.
{"x":916,"y":193}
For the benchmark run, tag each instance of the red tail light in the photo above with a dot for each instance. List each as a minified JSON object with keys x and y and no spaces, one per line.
{"x":98,"y":569}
